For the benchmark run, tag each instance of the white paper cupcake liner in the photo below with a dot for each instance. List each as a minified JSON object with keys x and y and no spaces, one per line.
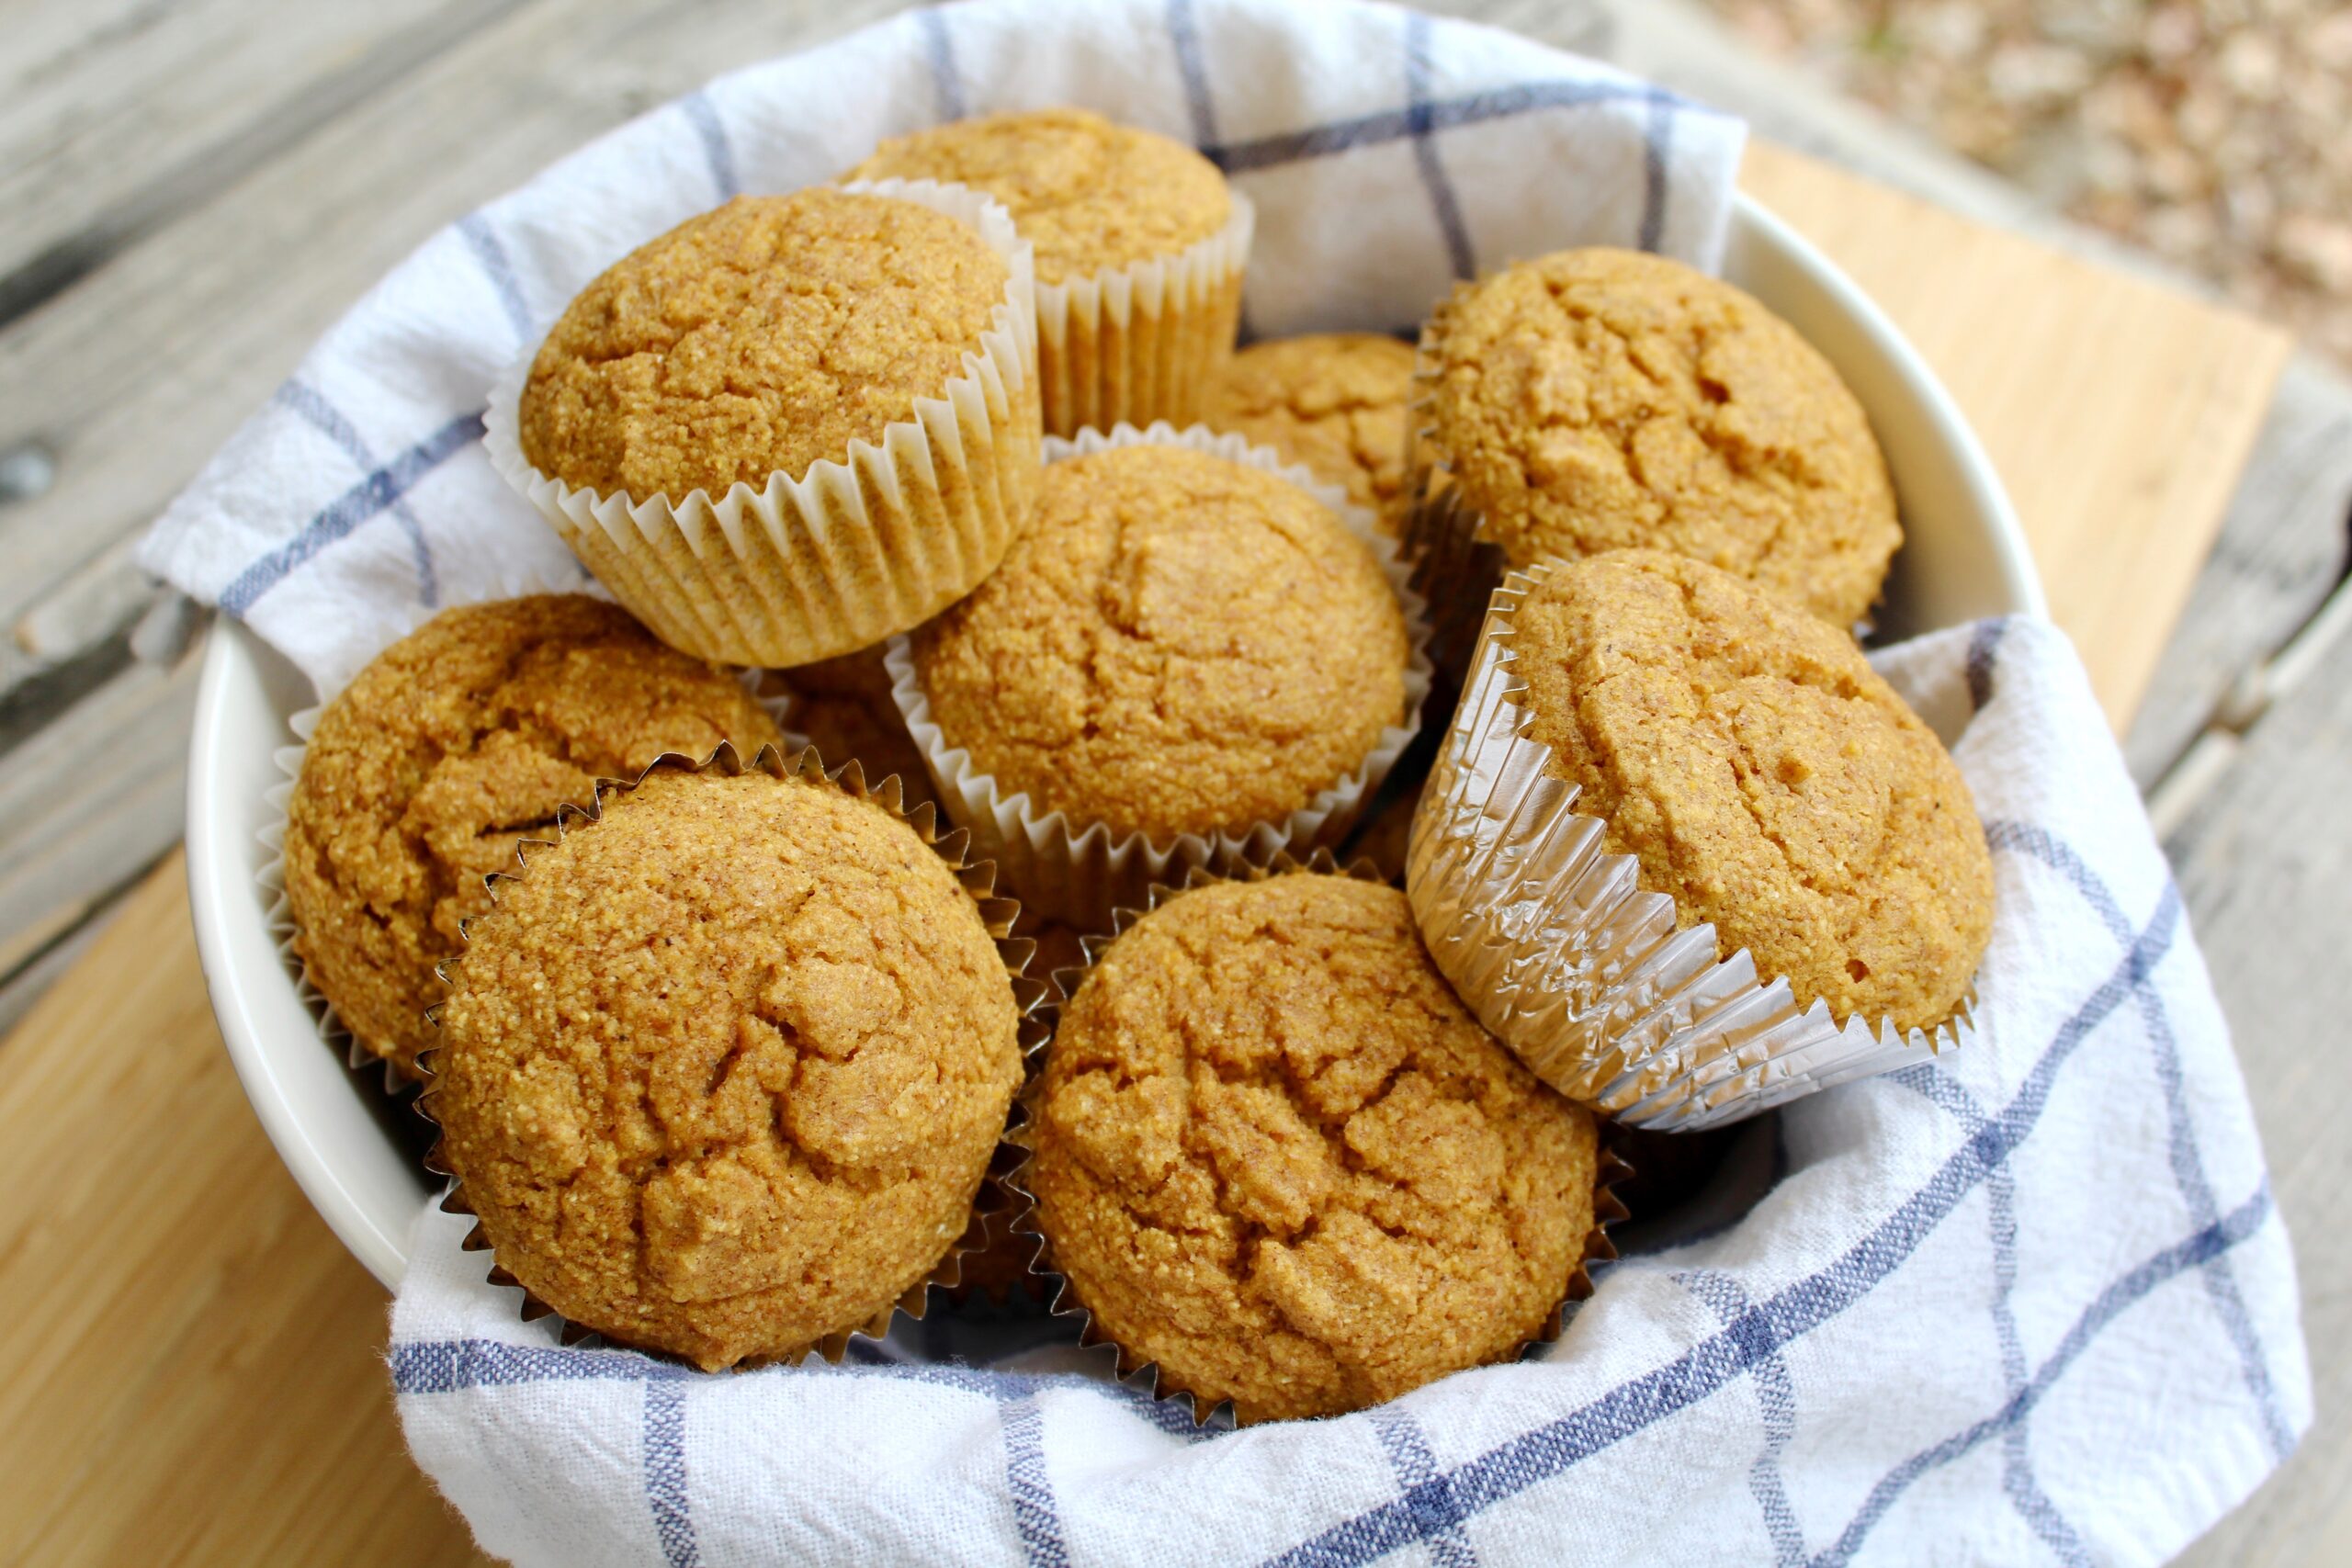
{"x":1610,"y":1170}
{"x":1142,"y":342}
{"x":770,"y":692}
{"x":1561,"y":955}
{"x":1076,"y":873}
{"x":997,"y":913}
{"x":853,"y":550}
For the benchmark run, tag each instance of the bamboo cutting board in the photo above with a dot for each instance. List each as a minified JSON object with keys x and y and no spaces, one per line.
{"x":191,"y":1369}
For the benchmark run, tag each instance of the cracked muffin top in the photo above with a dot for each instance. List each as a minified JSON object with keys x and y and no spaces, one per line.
{"x":721,"y":1072}
{"x":1597,"y":399}
{"x":457,"y":741}
{"x":1088,"y":193}
{"x":1335,"y":402}
{"x":1765,"y":776}
{"x":759,"y":338}
{"x":1180,"y":643}
{"x":1274,"y":1154}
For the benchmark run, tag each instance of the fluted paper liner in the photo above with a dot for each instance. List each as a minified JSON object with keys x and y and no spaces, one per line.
{"x":1610,"y":1169}
{"x":1132,"y":344}
{"x":1555,"y":947}
{"x":769,"y":692}
{"x":859,"y":547}
{"x":1076,"y":873}
{"x":978,"y":879}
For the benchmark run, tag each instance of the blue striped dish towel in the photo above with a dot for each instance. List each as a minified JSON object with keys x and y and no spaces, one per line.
{"x":2030,"y":1303}
{"x":2026,"y":1303}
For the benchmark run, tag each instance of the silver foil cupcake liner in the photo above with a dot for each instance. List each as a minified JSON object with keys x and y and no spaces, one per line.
{"x":1610,"y":1169}
{"x":979,"y":880}
{"x":1553,"y":943}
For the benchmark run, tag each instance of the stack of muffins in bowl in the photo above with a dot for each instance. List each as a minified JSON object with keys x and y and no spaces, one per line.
{"x":1102,"y":638}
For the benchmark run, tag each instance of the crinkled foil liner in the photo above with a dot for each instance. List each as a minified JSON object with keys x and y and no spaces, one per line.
{"x":853,"y":550}
{"x":770,"y":693}
{"x":1078,"y":875}
{"x":1144,"y":341}
{"x":978,"y":879}
{"x":1609,"y":1171}
{"x":1558,"y":950}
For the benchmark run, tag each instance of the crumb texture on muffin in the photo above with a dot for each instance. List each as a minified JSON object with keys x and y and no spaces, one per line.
{"x":1088,"y":193}
{"x":1275,"y":1155}
{"x":758,"y":338}
{"x":1766,"y":777}
{"x":457,"y":741}
{"x":1596,"y":400}
{"x":1335,"y":402}
{"x":1180,"y":644}
{"x":723,"y":1071}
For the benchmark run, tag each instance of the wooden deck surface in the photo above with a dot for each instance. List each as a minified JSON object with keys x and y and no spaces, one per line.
{"x":192,"y":1371}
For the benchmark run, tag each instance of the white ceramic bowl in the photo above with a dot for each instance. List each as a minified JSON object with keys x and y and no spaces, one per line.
{"x":356,"y":1153}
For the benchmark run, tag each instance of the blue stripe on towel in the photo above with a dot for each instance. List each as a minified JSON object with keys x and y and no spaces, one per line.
{"x":1442,"y":200}
{"x":380,"y":491}
{"x":1443,"y":114}
{"x":1776,"y":1403}
{"x":311,"y":405}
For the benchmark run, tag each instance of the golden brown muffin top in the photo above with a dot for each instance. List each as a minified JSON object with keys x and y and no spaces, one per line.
{"x":457,"y":741}
{"x":1179,"y":643}
{"x":844,"y":707}
{"x":1275,"y":1155}
{"x":1335,"y":402}
{"x":1598,"y":399}
{"x":759,"y":338}
{"x":1088,"y":193}
{"x":721,"y":1072}
{"x":1767,"y":778}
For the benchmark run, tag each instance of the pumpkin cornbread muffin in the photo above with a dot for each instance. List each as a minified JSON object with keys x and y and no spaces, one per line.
{"x":1597,"y":399}
{"x":723,"y":425}
{"x":1181,"y":643}
{"x":1335,"y":402}
{"x":1103,"y":201}
{"x":756,"y":338}
{"x":722,"y":1071}
{"x":461,"y":737}
{"x":1271,"y":1153}
{"x":844,"y":706}
{"x":1765,"y":778}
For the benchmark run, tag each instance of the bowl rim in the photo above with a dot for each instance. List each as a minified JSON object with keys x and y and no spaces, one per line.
{"x":222,"y":897}
{"x":2021,"y":582}
{"x":222,"y":889}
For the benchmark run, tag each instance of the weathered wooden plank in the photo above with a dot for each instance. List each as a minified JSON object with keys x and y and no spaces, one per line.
{"x":193,"y":1368}
{"x":117,"y":114}
{"x":90,"y":802}
{"x":135,"y":376}
{"x":2265,"y":864}
{"x":2281,"y":548}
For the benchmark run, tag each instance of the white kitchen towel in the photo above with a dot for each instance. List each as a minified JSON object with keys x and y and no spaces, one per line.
{"x":1388,"y":153}
{"x":2026,"y":1303}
